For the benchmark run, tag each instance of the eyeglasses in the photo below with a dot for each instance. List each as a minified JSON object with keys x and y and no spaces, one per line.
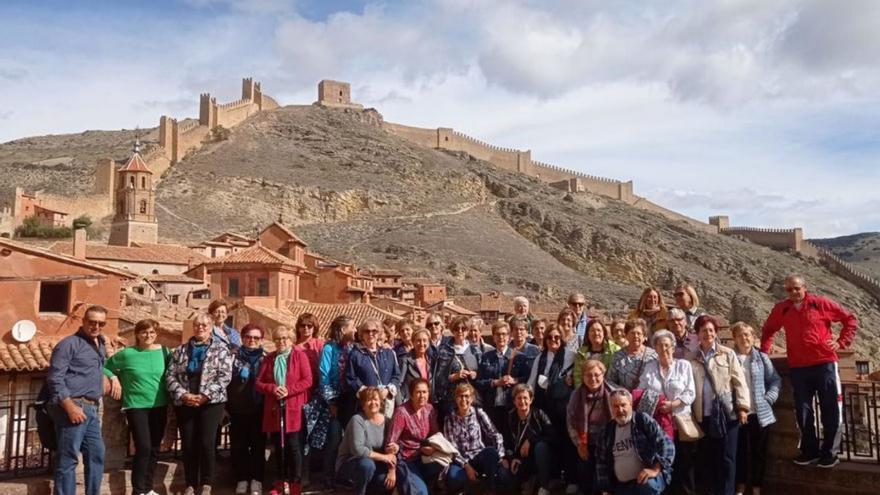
{"x":251,"y":337}
{"x":793,"y":289}
{"x":433,"y":323}
{"x":554,"y":337}
{"x":306,"y":325}
{"x":201,"y":325}
{"x":93,"y":323}
{"x":370,"y":332}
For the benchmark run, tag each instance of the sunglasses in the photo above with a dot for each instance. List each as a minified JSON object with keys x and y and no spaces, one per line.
{"x":577,"y":303}
{"x":370,"y":332}
{"x":252,"y":337}
{"x":793,"y":289}
{"x":432,"y":323}
{"x":554,"y":337}
{"x":92,"y":323}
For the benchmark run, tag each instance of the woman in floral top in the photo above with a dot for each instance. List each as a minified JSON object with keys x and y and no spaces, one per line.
{"x":480,"y":446}
{"x":628,"y":363}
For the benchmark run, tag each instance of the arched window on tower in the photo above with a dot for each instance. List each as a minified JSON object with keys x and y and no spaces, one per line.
{"x":131,"y":181}
{"x":143,"y":207}
{"x":143,"y":182}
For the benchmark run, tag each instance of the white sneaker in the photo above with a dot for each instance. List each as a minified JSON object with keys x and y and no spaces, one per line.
{"x":256,"y":487}
{"x":241,"y":488}
{"x":571,"y":489}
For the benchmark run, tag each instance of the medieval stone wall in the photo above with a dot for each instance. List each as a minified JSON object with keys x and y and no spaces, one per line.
{"x":773,"y":238}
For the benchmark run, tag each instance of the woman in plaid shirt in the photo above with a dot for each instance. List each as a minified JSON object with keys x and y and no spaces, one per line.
{"x":479,"y":444}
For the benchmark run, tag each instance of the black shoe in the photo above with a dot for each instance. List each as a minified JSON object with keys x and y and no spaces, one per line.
{"x":805,"y":459}
{"x":828,"y":461}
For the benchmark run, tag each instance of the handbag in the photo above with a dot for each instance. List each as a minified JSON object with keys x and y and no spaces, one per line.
{"x":558,"y":390}
{"x":688,"y":429}
{"x":716,"y":421}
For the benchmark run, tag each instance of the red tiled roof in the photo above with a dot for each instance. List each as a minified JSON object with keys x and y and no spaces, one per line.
{"x":35,"y":355}
{"x":254,"y":254}
{"x":64,"y":257}
{"x":289,"y":233}
{"x":168,"y":254}
{"x":135,"y":164}
{"x":385,"y":272}
{"x":450,"y":306}
{"x":325,"y":313}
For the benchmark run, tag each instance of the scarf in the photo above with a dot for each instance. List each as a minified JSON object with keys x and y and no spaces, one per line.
{"x":281,"y":367}
{"x":594,"y":409}
{"x":196,"y":352}
{"x":460,"y":349}
{"x":253,"y":358}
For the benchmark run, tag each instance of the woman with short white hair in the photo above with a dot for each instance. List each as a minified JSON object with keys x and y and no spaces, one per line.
{"x":674,"y":378}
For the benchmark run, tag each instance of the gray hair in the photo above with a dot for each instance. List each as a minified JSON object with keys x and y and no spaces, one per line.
{"x":475,"y":321}
{"x":202,"y":317}
{"x":662,"y":334}
{"x":521,"y":300}
{"x":676,"y":314}
{"x":620,"y":392}
{"x":795,"y":277}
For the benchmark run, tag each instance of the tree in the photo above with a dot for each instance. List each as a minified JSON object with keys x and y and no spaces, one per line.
{"x":82,"y":222}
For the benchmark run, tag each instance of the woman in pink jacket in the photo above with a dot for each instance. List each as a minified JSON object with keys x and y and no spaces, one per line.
{"x":286,"y":376}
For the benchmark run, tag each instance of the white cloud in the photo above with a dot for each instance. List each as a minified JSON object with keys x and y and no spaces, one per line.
{"x":760,"y":109}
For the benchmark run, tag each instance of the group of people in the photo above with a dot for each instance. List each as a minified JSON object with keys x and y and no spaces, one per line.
{"x":653,"y":404}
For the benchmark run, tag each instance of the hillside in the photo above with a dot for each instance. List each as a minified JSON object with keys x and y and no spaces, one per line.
{"x":862,"y":250}
{"x":354,"y":192}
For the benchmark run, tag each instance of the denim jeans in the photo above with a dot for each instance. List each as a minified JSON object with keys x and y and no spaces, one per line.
{"x":74,"y":439}
{"x":363,"y":473}
{"x":413,"y":477}
{"x":539,"y":463}
{"x":485,"y":464}
{"x":654,"y":486}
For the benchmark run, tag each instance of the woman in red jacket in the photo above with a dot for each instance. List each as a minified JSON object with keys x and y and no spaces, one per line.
{"x":285,"y":376}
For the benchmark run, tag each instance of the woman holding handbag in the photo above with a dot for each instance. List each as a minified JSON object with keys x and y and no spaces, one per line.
{"x":674,"y":378}
{"x":628,"y":363}
{"x":721,"y":405}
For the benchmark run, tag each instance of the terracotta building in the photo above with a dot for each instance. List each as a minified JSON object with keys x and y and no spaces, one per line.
{"x":223,"y":245}
{"x":331,"y":282}
{"x":387,"y":283}
{"x":257,"y":276}
{"x":140,"y":258}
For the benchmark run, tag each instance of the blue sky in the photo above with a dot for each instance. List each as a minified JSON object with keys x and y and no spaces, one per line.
{"x":764,"y":110}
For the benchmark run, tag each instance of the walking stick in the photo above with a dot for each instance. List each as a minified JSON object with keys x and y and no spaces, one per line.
{"x":285,"y":486}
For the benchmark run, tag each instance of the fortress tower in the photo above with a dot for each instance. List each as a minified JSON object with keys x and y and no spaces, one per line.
{"x":135,"y":219}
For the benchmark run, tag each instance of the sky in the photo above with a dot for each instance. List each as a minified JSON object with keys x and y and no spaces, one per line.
{"x":767,"y":111}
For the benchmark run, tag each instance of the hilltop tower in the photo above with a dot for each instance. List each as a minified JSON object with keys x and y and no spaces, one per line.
{"x":135,"y":218}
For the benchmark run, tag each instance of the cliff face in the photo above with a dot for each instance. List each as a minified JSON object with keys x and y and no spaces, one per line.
{"x":355,"y":192}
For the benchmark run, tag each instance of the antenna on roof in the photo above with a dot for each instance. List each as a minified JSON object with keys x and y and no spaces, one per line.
{"x":280,"y":218}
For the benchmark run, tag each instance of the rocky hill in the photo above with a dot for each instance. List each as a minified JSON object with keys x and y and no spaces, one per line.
{"x":862,"y":250}
{"x":355,"y":192}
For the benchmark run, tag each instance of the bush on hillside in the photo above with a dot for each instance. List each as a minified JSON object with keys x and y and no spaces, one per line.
{"x":33,"y":227}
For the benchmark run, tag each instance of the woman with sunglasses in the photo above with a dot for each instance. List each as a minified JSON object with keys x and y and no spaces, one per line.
{"x":370,"y":365}
{"x":247,"y":443}
{"x":198,"y":375}
{"x":137,"y":375}
{"x":686,"y":299}
{"x":552,"y":382}
{"x":416,"y":364}
{"x":457,"y":363}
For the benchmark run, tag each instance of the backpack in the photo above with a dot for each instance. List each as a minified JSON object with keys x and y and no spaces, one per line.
{"x":45,"y":425}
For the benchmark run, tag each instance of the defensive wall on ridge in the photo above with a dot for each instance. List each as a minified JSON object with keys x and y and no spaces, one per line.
{"x":176,"y":140}
{"x":521,"y":161}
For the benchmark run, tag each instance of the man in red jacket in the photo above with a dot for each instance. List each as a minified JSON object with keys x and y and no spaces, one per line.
{"x":812,"y":357}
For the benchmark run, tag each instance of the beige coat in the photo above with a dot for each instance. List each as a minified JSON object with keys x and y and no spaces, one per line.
{"x":730,"y":381}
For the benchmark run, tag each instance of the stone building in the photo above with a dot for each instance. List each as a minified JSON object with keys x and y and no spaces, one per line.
{"x":135,"y":217}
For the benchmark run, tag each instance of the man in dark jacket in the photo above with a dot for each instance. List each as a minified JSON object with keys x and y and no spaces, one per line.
{"x":76,"y":385}
{"x":812,"y":357}
{"x":635,"y":456}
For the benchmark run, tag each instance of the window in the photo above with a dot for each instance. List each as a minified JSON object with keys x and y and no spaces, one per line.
{"x":143,"y":182}
{"x":155,"y":271}
{"x":262,"y":286}
{"x":54,"y":297}
{"x":214,"y":255}
{"x":143,"y":207}
{"x":131,"y":181}
{"x":233,"y":288}
{"x":175,"y":299}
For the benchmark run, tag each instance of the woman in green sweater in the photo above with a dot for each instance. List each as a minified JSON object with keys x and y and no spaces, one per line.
{"x":137,"y":375}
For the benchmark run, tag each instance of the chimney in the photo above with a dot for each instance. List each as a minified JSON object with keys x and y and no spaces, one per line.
{"x":79,"y":244}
